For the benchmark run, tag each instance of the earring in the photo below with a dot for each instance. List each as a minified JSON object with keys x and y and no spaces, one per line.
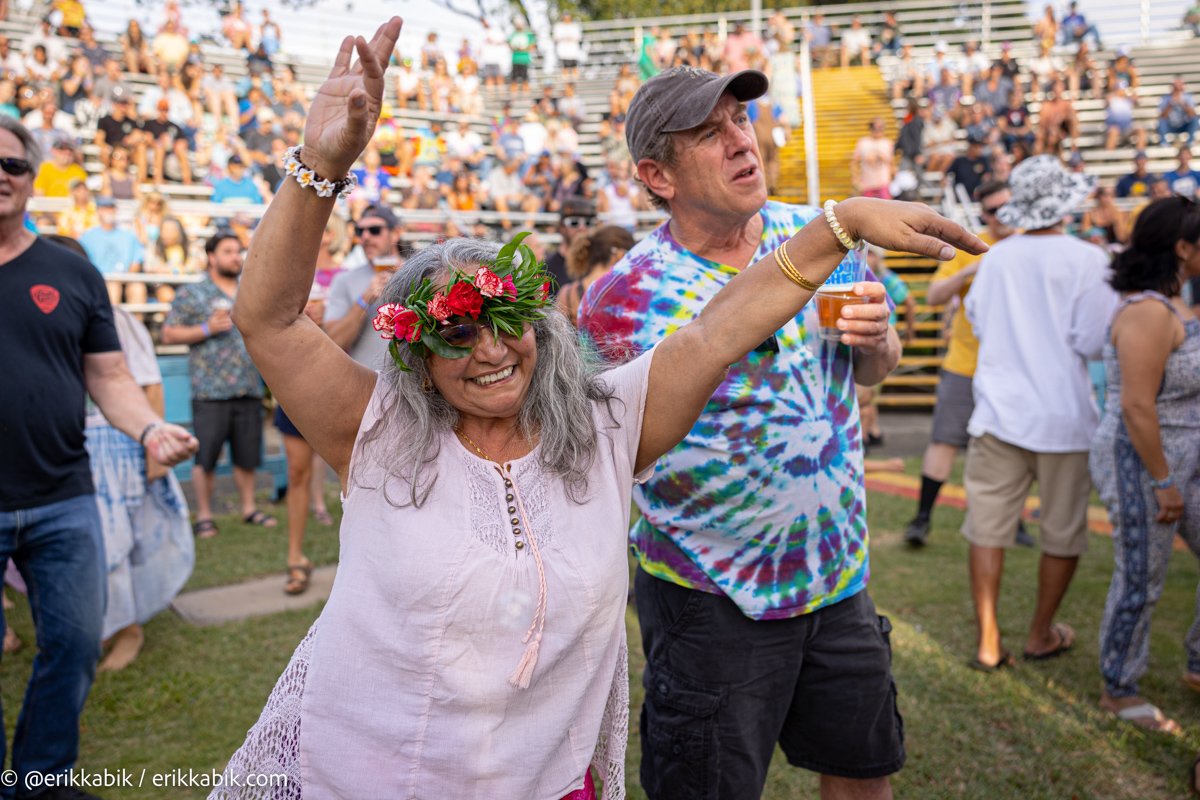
{"x":426,"y":384}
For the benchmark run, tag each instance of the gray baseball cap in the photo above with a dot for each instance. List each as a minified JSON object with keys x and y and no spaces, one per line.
{"x":680,"y":99}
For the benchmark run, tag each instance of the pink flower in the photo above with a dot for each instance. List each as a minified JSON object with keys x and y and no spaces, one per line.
{"x":384,"y":319}
{"x":407,"y":325}
{"x":438,"y":308}
{"x":464,"y":301}
{"x":508,"y":288}
{"x":488,"y":283}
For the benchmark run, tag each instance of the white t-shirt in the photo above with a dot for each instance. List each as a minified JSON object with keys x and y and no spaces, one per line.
{"x":495,"y":47}
{"x":567,"y":36}
{"x":1041,"y":306}
{"x":856,"y":40}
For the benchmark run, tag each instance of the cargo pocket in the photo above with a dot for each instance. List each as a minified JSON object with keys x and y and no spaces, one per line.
{"x":679,"y":733}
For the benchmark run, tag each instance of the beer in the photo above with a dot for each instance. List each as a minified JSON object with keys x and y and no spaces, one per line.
{"x":386,"y":263}
{"x":830,"y":301}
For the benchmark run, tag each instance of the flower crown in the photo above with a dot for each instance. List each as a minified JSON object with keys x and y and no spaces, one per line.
{"x":513,"y":291}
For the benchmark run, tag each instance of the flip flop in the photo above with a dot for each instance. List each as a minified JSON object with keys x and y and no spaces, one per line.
{"x":205,"y":529}
{"x":323,"y":517}
{"x":1066,"y":638}
{"x":1006,"y":661}
{"x":261,"y":519}
{"x":1147,"y":713}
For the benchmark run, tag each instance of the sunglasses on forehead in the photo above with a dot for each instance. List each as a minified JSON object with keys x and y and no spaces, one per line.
{"x":374,"y":230}
{"x":16,"y":166}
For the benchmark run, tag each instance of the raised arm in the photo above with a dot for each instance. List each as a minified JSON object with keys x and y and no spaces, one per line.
{"x":690,"y":364}
{"x":324,"y":391}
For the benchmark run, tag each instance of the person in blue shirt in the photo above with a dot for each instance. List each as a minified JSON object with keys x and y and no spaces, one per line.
{"x":110,"y":248}
{"x":1183,"y":180}
{"x":1075,"y":27}
{"x":1137,"y":183}
{"x":237,"y":186}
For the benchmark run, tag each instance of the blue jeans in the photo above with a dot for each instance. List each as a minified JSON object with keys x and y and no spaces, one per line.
{"x":1187,"y":129}
{"x":59,"y":550}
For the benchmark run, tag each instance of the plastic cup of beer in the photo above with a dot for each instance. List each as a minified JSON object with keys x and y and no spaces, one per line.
{"x":838,"y":292}
{"x":386,"y":263}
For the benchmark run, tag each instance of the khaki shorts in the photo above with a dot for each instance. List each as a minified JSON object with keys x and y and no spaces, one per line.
{"x":997,"y":479}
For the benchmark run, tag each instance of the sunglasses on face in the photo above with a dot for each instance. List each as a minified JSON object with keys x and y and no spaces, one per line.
{"x":374,"y":230}
{"x":16,"y":166}
{"x":467,"y":334}
{"x":991,"y":209}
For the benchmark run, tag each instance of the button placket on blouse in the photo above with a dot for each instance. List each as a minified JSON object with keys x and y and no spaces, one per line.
{"x":510,"y":499}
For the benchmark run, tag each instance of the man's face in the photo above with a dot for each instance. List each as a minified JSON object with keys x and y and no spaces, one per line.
{"x":1185,"y":159}
{"x":988,"y":207}
{"x":62,"y":155}
{"x":236,"y":170}
{"x":718,"y":170}
{"x":14,"y":189}
{"x":1139,"y":166}
{"x":107,"y":215}
{"x":226,"y":259}
{"x":376,"y":237}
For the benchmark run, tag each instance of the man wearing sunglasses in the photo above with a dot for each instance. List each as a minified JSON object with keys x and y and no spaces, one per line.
{"x":955,"y":400}
{"x":576,"y":216}
{"x":354,"y":294}
{"x":60,"y":346}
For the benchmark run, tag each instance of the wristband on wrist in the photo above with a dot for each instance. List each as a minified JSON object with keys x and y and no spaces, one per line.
{"x":147,"y":431}
{"x":204,"y":329}
{"x":363,"y":304}
{"x":1165,"y":483}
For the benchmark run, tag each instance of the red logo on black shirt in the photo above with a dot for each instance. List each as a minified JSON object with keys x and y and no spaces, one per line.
{"x":44,"y":297}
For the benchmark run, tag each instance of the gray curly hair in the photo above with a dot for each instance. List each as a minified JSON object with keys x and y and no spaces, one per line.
{"x":558,"y":407}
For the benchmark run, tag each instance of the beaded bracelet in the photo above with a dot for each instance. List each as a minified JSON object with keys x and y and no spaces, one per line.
{"x":309,"y":179}
{"x":838,"y":230}
{"x":1165,"y":483}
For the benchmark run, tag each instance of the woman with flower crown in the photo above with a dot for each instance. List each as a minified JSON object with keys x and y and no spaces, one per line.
{"x":473,"y":645}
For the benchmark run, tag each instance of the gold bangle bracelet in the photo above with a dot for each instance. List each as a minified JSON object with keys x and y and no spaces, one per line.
{"x":789,"y":270}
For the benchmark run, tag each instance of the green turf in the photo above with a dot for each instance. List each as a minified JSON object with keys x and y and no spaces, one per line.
{"x":1033,"y":732}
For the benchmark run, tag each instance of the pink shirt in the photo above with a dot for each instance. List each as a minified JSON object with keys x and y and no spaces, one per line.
{"x":405,"y":676}
{"x":874,"y":157}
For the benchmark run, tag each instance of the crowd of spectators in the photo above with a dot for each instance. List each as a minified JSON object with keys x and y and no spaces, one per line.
{"x":969,"y":119}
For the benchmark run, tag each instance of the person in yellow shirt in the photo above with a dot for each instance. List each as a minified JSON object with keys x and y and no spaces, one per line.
{"x":81,"y":215}
{"x":73,"y":17}
{"x":55,"y":175}
{"x":955,"y":400}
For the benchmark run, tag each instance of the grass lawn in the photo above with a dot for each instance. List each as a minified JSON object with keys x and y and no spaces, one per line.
{"x":1033,"y":732}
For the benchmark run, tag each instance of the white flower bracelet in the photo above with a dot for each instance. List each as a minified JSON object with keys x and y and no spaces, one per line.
{"x":309,"y":179}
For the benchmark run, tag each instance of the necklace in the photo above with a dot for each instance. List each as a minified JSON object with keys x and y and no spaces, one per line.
{"x":471,"y":442}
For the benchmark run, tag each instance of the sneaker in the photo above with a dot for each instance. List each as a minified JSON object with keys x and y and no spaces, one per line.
{"x":1024,"y":538}
{"x":917,"y":532}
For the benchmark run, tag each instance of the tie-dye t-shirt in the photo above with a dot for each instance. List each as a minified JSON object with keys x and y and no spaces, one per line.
{"x":763,"y":501}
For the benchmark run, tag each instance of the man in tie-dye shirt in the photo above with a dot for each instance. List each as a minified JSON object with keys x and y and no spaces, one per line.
{"x":752,"y":542}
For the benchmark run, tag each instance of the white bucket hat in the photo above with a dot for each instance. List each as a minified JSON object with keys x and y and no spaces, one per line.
{"x":1043,"y":193}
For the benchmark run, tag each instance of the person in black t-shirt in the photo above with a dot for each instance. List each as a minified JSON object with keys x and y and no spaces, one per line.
{"x":121,"y":127}
{"x":60,"y":345}
{"x":165,"y":138}
{"x":971,"y":169}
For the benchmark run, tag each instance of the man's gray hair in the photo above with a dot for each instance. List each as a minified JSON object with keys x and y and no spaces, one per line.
{"x":33,"y":152}
{"x":415,"y":417}
{"x":662,"y":151}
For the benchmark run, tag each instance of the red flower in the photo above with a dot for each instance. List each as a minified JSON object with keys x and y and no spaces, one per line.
{"x":464,"y":300}
{"x":438,"y":308}
{"x":407,"y":325}
{"x":546,"y":290}
{"x":488,"y":283}
{"x":384,"y":319}
{"x":509,"y":289}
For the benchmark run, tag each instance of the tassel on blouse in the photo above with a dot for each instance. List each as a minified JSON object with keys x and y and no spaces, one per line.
{"x":523,"y":674}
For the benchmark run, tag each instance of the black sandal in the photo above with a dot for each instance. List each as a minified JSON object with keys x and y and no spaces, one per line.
{"x":1006,"y":661}
{"x":205,"y":529}
{"x":261,"y":519}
